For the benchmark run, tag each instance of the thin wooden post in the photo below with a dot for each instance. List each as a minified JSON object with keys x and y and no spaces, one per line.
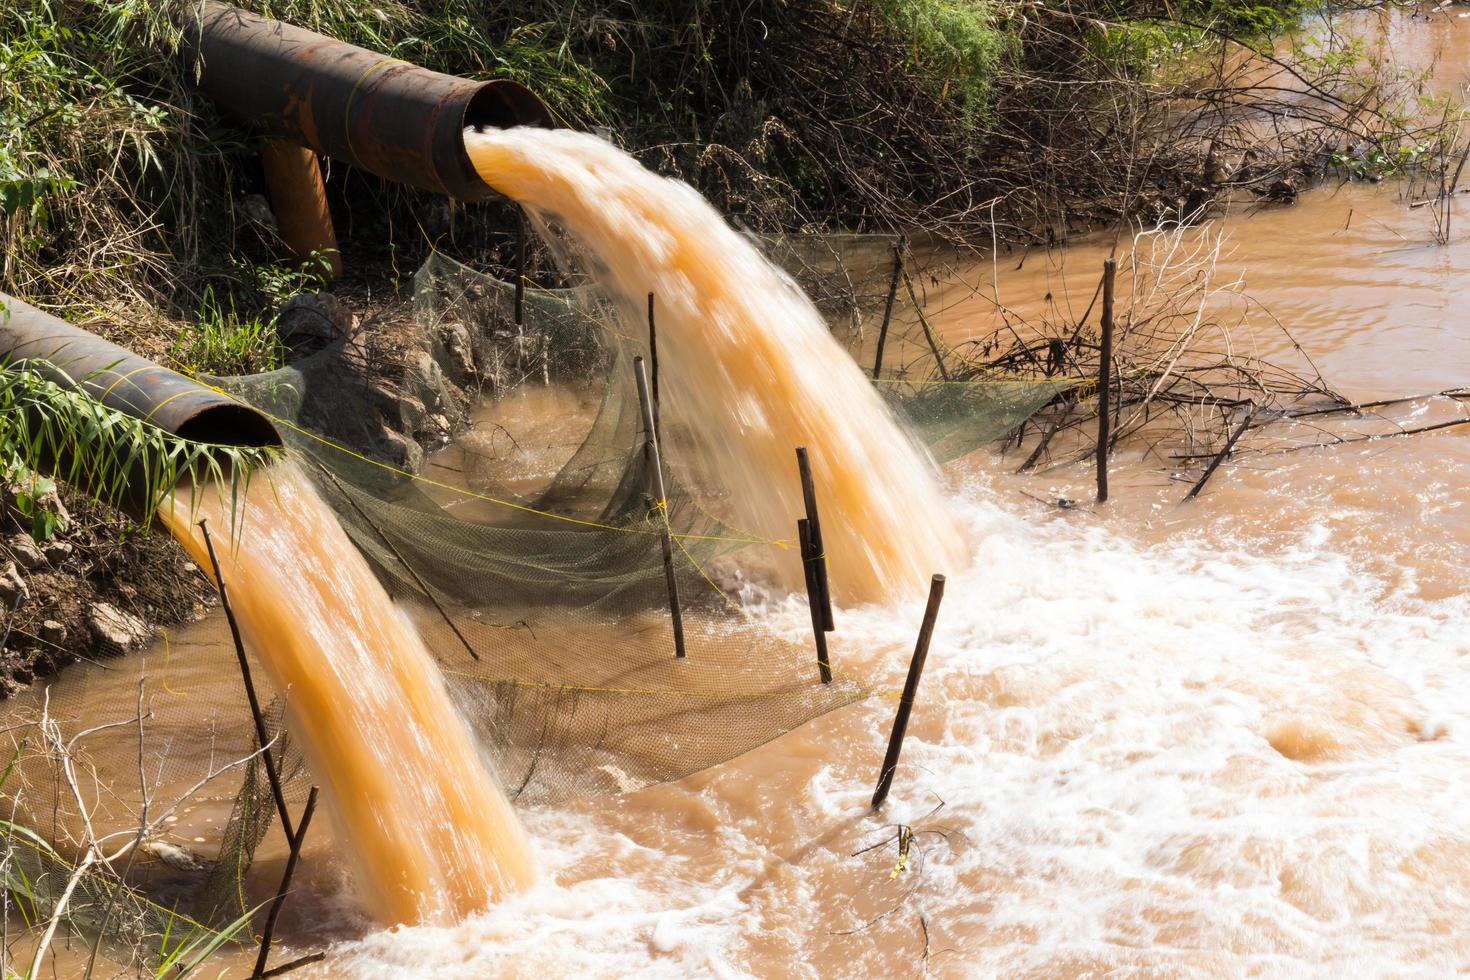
{"x":653,"y":366}
{"x":271,"y":773}
{"x":661,"y":504}
{"x":910,"y":689}
{"x":809,"y":558}
{"x":928,"y":330}
{"x":1105,"y":381}
{"x":393,"y":549}
{"x":888,"y":306}
{"x":819,"y":546}
{"x":520,"y":310}
{"x":270,"y":921}
{"x":1220,"y":458}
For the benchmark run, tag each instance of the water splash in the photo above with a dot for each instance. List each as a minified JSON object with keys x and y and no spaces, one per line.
{"x":430,"y":834}
{"x":747,"y":361}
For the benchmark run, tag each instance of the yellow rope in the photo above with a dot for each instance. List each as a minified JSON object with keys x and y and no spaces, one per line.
{"x":484,"y":497}
{"x":347,"y":113}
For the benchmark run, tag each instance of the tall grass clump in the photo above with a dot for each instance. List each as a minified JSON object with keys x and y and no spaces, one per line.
{"x":116,"y":459}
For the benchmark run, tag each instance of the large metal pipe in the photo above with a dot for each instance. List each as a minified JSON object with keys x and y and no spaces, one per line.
{"x":386,"y":116}
{"x":121,"y":380}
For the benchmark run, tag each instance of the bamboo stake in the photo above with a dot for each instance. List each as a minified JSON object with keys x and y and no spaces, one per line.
{"x":910,"y":690}
{"x":520,"y":308}
{"x":1105,"y":380}
{"x":656,"y":478}
{"x":291,"y":859}
{"x":271,"y":773}
{"x":393,"y":549}
{"x":653,"y":365}
{"x":1215,"y":463}
{"x":813,"y":597}
{"x":823,"y":595}
{"x":296,"y":964}
{"x":888,"y":306}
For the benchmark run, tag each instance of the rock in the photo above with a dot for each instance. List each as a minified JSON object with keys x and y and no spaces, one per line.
{"x":52,"y":632}
{"x":423,"y":378}
{"x":258,"y":210}
{"x":459,"y":352}
{"x":413,"y":413}
{"x":398,"y":450}
{"x":116,"y":631}
{"x":56,"y":552}
{"x":13,"y":589}
{"x":25,"y":551}
{"x":173,"y":855}
{"x":315,"y":320}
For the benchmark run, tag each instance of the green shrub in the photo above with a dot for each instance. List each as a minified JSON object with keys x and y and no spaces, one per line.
{"x":223,"y":343}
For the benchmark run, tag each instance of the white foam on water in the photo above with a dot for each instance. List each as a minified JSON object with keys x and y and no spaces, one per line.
{"x":1179,"y":758}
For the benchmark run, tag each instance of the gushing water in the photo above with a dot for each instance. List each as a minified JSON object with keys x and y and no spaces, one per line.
{"x":431,"y":836}
{"x":749,"y":363}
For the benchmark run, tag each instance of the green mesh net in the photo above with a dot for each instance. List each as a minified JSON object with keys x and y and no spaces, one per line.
{"x":535,"y":573}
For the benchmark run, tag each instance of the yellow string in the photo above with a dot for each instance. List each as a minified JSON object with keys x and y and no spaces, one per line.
{"x":168,"y":653}
{"x":484,"y":497}
{"x":347,"y":113}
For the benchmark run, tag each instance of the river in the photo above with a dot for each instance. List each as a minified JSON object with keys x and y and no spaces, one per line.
{"x":1225,"y":737}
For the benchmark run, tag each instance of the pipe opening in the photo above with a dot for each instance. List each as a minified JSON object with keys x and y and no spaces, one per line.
{"x":230,"y":425}
{"x":501,"y":104}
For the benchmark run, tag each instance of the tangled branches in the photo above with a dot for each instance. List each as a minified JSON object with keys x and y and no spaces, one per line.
{"x":1072,"y":116}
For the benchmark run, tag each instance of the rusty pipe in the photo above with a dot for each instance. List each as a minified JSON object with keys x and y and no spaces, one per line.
{"x":386,"y":116}
{"x":293,"y":178}
{"x":125,"y":382}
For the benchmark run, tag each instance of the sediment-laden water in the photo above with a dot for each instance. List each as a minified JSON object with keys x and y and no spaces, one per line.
{"x":1224,"y":738}
{"x":427,"y":832}
{"x":749,"y":365}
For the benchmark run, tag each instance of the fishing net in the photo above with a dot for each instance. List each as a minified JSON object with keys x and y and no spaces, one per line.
{"x":531,"y":558}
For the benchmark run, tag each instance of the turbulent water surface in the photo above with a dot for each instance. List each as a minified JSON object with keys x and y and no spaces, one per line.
{"x":1224,"y":738}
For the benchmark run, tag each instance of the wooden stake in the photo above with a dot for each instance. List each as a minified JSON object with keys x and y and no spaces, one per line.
{"x":910,"y":689}
{"x":296,"y":964}
{"x":653,"y":366}
{"x":888,"y":306}
{"x":1105,"y":380}
{"x":520,"y":310}
{"x":656,"y":479}
{"x":270,"y":921}
{"x":819,"y":546}
{"x":271,"y":773}
{"x":809,"y":558}
{"x":928,"y":330}
{"x":1215,"y":463}
{"x":444,"y":613}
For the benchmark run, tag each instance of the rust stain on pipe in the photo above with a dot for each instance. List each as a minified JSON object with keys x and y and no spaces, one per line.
{"x":394,"y":119}
{"x":299,"y":200}
{"x":125,"y":382}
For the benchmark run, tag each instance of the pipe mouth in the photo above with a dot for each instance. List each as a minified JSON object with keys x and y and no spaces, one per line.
{"x":502,"y":103}
{"x":231,"y":425}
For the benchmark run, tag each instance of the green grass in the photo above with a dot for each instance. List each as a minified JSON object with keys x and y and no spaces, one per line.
{"x":114,"y":458}
{"x":223,"y":343}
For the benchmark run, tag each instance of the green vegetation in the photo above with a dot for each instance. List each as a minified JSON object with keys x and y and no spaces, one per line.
{"x":957,"y":46}
{"x":127,"y":200}
{"x":114,"y":457}
{"x":223,"y":343}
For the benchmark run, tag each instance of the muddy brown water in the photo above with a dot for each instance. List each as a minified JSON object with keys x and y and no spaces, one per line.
{"x":1229,"y":737}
